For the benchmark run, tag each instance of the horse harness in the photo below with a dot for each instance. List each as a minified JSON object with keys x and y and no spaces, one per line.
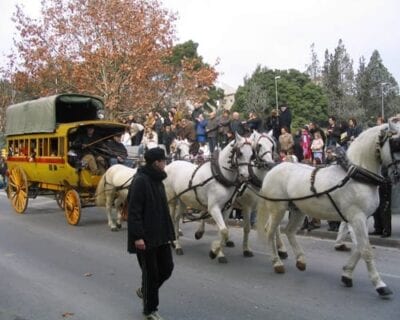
{"x":352,"y":172}
{"x":218,"y":175}
{"x":394,"y":145}
{"x":259,"y":158}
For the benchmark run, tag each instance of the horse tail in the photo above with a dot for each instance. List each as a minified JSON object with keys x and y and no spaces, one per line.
{"x":100,"y":192}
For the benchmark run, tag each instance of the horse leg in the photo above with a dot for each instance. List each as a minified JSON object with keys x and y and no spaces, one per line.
{"x":119,"y":206}
{"x":200,"y":230}
{"x":275,"y":217}
{"x":227,"y":242}
{"x":282,"y":251}
{"x":109,"y":207}
{"x":295,"y":220}
{"x":363,"y":250}
{"x":216,"y":246}
{"x":176,"y":210}
{"x":246,"y":230}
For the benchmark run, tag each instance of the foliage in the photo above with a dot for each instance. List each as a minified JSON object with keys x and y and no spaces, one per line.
{"x":306,"y":99}
{"x":358,"y":96}
{"x":338,"y":81}
{"x":189,"y":79}
{"x":378,"y":83}
{"x":116,"y":49}
{"x":313,"y":69}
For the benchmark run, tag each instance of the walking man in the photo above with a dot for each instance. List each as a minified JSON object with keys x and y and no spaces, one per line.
{"x":150,"y":229}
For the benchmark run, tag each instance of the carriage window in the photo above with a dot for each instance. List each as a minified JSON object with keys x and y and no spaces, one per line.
{"x":22,"y":147}
{"x":33,"y":150}
{"x":11,"y":148}
{"x":54,"y":152}
{"x":43,"y":147}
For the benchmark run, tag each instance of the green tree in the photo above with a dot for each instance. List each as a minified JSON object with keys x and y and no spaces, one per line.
{"x":378,"y":81}
{"x":191,"y":78}
{"x":338,"y":82}
{"x":306,"y":99}
{"x":313,"y":69}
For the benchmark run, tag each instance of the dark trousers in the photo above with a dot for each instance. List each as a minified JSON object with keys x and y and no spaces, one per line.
{"x":383,"y":214}
{"x":212,"y":143}
{"x":157,"y":265}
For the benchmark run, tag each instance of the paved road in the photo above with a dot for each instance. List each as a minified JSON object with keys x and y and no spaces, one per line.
{"x":50,"y":270}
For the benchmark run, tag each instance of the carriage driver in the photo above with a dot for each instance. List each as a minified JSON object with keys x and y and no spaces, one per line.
{"x":85,"y":145}
{"x":117,"y":151}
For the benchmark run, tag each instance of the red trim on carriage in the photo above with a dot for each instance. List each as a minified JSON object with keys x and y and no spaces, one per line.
{"x":37,"y":159}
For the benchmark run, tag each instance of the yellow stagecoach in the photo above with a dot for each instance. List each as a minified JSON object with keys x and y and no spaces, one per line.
{"x":39,"y":136}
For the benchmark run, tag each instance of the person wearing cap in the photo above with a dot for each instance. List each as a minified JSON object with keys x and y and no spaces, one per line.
{"x":150,"y":229}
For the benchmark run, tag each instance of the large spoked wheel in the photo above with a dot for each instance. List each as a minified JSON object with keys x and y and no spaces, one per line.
{"x":60,"y":196}
{"x":72,"y":204}
{"x":18,"y":189}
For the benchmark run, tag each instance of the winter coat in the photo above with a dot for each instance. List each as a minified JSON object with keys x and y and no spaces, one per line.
{"x":201,"y":135}
{"x":148,"y":212}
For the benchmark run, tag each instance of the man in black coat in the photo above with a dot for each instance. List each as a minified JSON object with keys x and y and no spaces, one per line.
{"x":285,"y":117}
{"x":150,"y":229}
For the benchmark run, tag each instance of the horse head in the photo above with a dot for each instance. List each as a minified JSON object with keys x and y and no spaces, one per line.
{"x":182,"y":149}
{"x":242,"y":152}
{"x":394,"y":149}
{"x":264,"y":147}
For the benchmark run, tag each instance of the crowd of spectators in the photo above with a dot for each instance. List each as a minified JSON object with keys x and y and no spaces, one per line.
{"x":206,"y":131}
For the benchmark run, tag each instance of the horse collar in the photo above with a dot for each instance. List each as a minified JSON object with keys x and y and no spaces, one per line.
{"x":217,"y":173}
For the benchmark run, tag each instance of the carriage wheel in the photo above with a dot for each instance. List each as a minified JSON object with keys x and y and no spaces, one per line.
{"x":60,"y":196}
{"x":72,"y":204}
{"x":18,"y":189}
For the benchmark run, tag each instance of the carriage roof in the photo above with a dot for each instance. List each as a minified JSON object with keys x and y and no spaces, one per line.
{"x":44,"y":114}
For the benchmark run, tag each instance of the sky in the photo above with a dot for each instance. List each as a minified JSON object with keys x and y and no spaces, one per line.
{"x":275,"y":34}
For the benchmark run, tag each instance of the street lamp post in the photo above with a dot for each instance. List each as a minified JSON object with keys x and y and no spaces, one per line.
{"x":383,"y":84}
{"x":276,"y":92}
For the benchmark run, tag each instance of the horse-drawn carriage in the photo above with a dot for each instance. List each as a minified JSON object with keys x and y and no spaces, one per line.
{"x":40,"y":161}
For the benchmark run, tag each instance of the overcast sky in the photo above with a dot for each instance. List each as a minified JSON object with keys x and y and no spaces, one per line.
{"x":276,"y":34}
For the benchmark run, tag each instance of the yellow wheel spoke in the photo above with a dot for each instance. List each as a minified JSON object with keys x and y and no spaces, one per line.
{"x":18,"y":189}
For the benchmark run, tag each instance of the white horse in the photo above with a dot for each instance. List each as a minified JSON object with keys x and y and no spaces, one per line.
{"x":182,"y":148}
{"x":331,"y":193}
{"x":112,"y":191}
{"x":208,"y":187}
{"x":264,"y":147}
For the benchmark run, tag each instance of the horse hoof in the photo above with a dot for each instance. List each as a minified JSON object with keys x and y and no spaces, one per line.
{"x":384,"y":291}
{"x":222,"y":260}
{"x":119,"y":226}
{"x":301,"y":265}
{"x":248,"y":254}
{"x":180,"y":233}
{"x":198,"y":235}
{"x":179,"y":251}
{"x":282,"y":254}
{"x":114,"y":229}
{"x":279,"y":269}
{"x":212,"y":255}
{"x":348,"y":282}
{"x":230,"y":244}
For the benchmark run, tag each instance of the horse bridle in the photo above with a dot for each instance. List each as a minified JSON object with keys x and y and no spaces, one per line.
{"x":237,"y":153}
{"x":394,"y":146}
{"x":259,"y":158}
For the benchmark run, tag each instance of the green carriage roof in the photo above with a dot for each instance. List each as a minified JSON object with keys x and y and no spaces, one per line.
{"x":42,"y":115}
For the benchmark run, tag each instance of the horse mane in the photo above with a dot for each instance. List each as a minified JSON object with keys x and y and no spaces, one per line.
{"x":359,"y":152}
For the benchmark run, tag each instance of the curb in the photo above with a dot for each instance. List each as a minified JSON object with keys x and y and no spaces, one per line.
{"x":325,"y":234}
